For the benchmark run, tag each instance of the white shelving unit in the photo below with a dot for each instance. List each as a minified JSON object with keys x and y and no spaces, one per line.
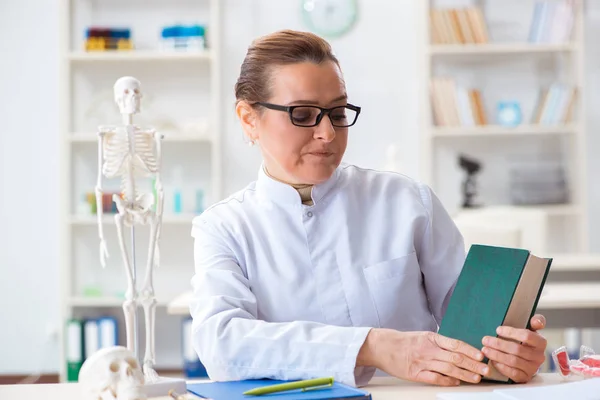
{"x":507,"y":49}
{"x":182,"y":101}
{"x":139,"y":55}
{"x":478,"y":65}
{"x":511,"y":68}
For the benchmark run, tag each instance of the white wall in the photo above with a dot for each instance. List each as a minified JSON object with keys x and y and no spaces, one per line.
{"x":380,"y":65}
{"x":29,"y":195}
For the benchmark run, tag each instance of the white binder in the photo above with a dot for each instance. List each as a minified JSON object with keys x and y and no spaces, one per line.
{"x":91,"y":337}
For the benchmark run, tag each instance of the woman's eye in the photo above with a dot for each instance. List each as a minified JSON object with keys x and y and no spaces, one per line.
{"x":301,"y":118}
{"x":304,"y":114}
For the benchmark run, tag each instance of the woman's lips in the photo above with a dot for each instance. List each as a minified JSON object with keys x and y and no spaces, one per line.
{"x":321,"y":153}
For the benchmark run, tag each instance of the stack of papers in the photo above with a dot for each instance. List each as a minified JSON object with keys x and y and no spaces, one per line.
{"x":588,"y":389}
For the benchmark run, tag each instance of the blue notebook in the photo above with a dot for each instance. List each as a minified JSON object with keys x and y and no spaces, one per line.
{"x":235,"y":390}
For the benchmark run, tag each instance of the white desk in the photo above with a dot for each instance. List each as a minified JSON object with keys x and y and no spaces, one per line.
{"x":380,"y":389}
{"x":180,"y":304}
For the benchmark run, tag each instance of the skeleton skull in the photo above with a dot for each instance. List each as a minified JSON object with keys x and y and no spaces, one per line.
{"x":112,"y":373}
{"x":128,"y":94}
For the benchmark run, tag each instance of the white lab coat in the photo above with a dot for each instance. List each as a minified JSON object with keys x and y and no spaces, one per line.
{"x":288,"y":291}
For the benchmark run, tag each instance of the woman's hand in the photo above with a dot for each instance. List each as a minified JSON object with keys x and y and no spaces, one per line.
{"x":521,"y":360}
{"x":423,"y":357}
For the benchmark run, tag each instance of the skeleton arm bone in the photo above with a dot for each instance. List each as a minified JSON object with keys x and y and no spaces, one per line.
{"x":99,"y":206}
{"x":159,"y":191}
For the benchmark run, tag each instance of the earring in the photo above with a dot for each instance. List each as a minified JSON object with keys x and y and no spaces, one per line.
{"x":251,"y":143}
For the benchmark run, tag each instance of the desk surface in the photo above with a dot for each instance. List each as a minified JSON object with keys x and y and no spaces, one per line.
{"x":380,"y":389}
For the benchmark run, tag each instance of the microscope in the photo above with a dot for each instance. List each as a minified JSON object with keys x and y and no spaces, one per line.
{"x":469,"y":186}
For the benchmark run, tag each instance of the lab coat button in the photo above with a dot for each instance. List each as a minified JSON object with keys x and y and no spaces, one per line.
{"x":309,"y":214}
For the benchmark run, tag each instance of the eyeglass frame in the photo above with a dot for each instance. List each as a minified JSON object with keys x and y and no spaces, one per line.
{"x":324,"y":111}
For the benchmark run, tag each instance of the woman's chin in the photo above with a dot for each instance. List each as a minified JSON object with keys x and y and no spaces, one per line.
{"x":316,"y":174}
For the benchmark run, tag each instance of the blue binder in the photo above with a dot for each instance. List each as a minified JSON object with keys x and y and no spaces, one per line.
{"x":108,"y":332}
{"x":235,"y":390}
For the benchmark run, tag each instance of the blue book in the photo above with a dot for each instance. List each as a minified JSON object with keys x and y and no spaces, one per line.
{"x":234,"y":391}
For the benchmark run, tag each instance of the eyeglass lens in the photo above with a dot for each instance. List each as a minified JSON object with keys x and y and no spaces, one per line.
{"x":307,"y":116}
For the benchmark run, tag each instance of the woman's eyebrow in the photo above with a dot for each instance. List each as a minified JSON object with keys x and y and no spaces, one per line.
{"x":311,"y":102}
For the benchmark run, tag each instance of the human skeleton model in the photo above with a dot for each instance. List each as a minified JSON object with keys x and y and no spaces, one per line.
{"x":130,"y":153}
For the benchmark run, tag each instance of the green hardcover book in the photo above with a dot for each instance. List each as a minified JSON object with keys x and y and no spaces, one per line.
{"x":74,"y":348}
{"x":497,"y":286}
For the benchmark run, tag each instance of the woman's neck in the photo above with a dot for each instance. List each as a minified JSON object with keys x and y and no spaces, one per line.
{"x":294,"y":185}
{"x":303,"y":189}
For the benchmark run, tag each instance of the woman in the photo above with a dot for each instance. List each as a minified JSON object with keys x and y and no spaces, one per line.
{"x":324,"y":269}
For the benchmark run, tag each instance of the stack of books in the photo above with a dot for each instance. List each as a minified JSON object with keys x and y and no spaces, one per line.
{"x":458,"y":26}
{"x":535,"y":182}
{"x":552,"y":22}
{"x":454,"y":105}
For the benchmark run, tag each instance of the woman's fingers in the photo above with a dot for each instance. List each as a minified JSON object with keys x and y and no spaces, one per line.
{"x":452,"y":370}
{"x":457,"y":346}
{"x":525,"y":336}
{"x":538,"y":322}
{"x":511,"y":360}
{"x":435,"y":378}
{"x":515,"y":374}
{"x":462,"y":361}
{"x":510,"y":347}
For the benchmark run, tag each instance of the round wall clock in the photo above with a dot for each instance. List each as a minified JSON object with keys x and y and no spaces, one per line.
{"x":330,"y":18}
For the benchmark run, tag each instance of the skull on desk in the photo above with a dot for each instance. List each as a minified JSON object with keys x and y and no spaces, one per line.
{"x":112,"y":373}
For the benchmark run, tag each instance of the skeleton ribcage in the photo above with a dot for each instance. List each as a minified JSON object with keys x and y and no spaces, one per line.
{"x":129,"y":162}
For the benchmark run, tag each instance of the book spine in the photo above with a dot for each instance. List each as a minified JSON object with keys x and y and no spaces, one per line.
{"x":539,"y":34}
{"x":74,"y":349}
{"x":549,"y":25}
{"x":466,"y":113}
{"x":535,"y":22}
{"x":465,"y":27}
{"x":537,"y":298}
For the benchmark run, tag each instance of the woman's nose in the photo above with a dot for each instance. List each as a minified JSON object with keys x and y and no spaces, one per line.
{"x":325,"y":130}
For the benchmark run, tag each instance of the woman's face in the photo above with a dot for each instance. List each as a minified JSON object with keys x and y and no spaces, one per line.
{"x":292,"y":153}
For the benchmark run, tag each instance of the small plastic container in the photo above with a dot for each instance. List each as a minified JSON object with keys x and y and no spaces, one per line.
{"x":183,"y":38}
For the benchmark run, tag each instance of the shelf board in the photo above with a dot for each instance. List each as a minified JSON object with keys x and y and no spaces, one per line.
{"x":138,"y":55}
{"x":99,"y":302}
{"x":497,"y":130}
{"x":576,"y":262}
{"x":551,"y":209}
{"x":558,"y":210}
{"x":570,"y":296}
{"x":91,"y":220}
{"x":500,"y":48}
{"x":92,"y":138}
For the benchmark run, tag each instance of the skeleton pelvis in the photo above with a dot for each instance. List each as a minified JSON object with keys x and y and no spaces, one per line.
{"x":138,"y":211}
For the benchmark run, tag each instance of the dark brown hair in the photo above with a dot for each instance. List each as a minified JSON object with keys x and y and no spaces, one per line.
{"x":279,"y":48}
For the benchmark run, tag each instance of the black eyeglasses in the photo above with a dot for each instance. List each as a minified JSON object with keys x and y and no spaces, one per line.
{"x":307,"y":116}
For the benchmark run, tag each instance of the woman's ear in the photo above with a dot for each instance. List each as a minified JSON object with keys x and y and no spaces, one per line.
{"x":248,"y":117}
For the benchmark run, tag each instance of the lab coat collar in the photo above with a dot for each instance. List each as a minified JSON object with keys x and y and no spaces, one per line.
{"x":279,"y":192}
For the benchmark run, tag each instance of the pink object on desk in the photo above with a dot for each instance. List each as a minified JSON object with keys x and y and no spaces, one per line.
{"x":588,"y":364}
